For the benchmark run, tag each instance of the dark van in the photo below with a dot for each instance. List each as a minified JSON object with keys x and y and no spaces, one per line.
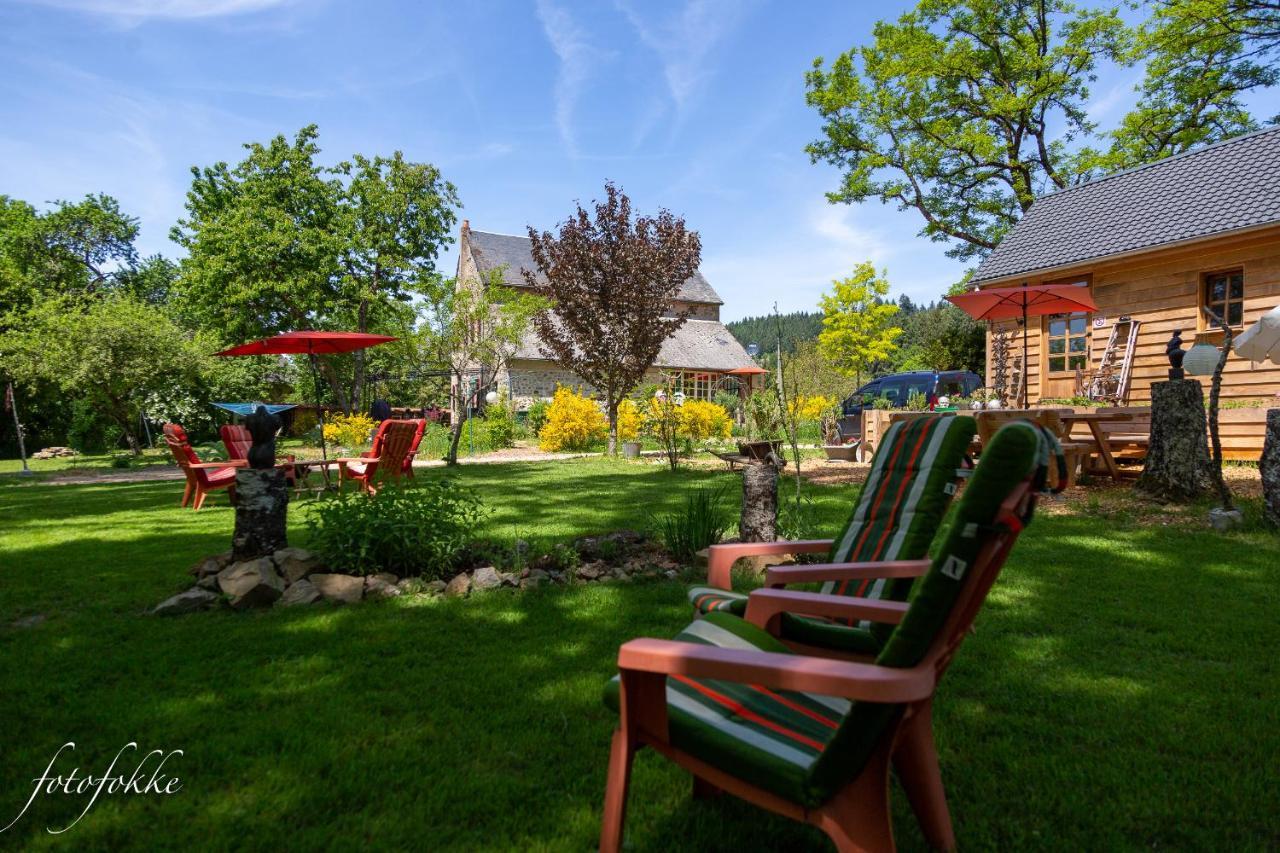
{"x":898,"y":387}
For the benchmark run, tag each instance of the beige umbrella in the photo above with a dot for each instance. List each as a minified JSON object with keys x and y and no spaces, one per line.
{"x":1261,"y":341}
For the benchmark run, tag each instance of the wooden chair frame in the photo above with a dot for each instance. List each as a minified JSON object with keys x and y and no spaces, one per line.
{"x":857,"y":817}
{"x":388,"y":455}
{"x":198,"y":483}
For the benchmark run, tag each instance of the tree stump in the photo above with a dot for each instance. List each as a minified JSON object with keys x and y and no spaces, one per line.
{"x":1269,"y":465}
{"x":759,"y":519}
{"x":1178,"y":467}
{"x":262,"y":503}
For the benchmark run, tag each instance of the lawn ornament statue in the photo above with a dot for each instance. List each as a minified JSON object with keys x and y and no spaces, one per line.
{"x":263,"y":426}
{"x":1175,"y":353}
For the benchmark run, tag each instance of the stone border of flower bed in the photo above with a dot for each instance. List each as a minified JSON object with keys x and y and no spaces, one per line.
{"x":295,"y":576}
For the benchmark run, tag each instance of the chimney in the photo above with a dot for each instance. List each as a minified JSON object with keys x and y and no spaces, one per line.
{"x":466,"y":225}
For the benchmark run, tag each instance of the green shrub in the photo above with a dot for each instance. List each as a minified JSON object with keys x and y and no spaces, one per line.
{"x":121,"y":460}
{"x":499,"y":428}
{"x":702,"y":522}
{"x":435,"y":441}
{"x":406,"y":530}
{"x":536,"y":416}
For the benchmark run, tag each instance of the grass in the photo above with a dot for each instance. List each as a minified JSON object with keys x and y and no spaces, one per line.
{"x":1120,"y":692}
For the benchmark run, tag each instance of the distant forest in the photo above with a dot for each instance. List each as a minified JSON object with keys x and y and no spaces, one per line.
{"x":797,"y":326}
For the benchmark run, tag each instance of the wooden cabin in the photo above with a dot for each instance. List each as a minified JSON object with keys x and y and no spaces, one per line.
{"x":1155,"y":245}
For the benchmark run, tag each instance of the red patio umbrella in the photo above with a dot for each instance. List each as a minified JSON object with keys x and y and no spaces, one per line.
{"x":1004,"y":303}
{"x":310,"y":344}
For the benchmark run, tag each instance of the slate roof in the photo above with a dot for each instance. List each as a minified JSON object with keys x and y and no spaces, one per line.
{"x":492,"y":251}
{"x":1213,"y":190}
{"x":697,"y":345}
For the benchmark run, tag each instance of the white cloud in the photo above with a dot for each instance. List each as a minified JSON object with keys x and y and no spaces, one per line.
{"x":684,"y":43}
{"x":173,"y":9}
{"x":578,"y":58}
{"x":796,"y":262}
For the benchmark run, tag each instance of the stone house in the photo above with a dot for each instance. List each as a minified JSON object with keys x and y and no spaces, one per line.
{"x":699,"y":355}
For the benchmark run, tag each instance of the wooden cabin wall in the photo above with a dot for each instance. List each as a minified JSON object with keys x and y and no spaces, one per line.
{"x":1162,"y":289}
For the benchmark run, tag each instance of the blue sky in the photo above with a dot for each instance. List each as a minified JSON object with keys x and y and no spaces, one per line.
{"x":526,"y":105}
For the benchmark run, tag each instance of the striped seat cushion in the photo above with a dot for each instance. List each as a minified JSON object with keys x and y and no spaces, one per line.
{"x":770,"y":738}
{"x":706,"y":599}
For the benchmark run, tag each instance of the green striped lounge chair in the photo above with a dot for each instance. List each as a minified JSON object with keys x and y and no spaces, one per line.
{"x":813,"y":738}
{"x":899,"y":509}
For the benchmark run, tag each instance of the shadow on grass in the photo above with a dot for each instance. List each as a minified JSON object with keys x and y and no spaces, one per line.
{"x":1095,"y":703}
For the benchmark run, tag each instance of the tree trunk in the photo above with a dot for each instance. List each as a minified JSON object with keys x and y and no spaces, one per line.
{"x":759,"y":519}
{"x":262,"y":503}
{"x":331,"y":376}
{"x":1269,"y":466}
{"x":612,"y":406}
{"x":452,"y":457}
{"x":1178,"y":467}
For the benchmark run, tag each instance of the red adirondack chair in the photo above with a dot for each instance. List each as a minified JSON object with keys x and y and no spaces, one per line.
{"x":389,"y":454}
{"x":202,"y":477}
{"x":237,"y":439}
{"x":813,"y":738}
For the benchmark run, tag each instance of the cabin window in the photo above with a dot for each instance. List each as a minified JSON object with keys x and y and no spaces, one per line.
{"x":1067,"y":340}
{"x":1224,"y":296}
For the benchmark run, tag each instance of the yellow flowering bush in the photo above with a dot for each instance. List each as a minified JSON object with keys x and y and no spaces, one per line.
{"x":700,"y":420}
{"x":350,"y":431}
{"x":629,"y":420}
{"x":573,"y":422}
{"x":812,"y":408}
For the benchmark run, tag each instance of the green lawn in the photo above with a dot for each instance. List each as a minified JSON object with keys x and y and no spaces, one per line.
{"x":1121,"y":691}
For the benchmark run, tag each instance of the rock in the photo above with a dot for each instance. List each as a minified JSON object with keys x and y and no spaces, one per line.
{"x":211,"y":565}
{"x":436,"y":587}
{"x":1225,"y":519}
{"x":188,"y":601}
{"x":701,"y":558}
{"x":588,"y":572}
{"x":671,"y":574}
{"x":209,"y":582}
{"x":301,"y":591}
{"x":296,"y":563}
{"x":530,"y":583}
{"x":458,"y":587}
{"x":486,"y":577}
{"x":340,"y":589}
{"x":253,"y":583}
{"x":376,"y":587}
{"x":386,"y":577}
{"x":509,"y":578}
{"x":538,"y":575}
{"x":29,"y":621}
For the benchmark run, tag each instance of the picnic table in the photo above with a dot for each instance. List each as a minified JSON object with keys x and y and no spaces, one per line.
{"x":1096,"y":420}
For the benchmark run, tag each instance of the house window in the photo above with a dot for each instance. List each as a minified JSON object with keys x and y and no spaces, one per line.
{"x":1068,"y":342}
{"x":1224,"y":296}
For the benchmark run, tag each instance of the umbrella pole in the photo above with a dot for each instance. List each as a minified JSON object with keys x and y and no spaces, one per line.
{"x":315,"y":379}
{"x":1025,"y":365}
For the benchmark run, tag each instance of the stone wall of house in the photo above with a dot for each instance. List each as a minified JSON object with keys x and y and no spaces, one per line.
{"x":537,"y":380}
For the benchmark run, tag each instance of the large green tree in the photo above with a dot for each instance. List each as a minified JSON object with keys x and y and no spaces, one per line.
{"x":858,"y":328}
{"x":280,"y":242}
{"x":1202,"y":57}
{"x":962,"y":110}
{"x":112,"y":352}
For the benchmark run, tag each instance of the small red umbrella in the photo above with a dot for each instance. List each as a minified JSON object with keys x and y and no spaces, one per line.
{"x":1004,"y":303}
{"x":310,"y":343}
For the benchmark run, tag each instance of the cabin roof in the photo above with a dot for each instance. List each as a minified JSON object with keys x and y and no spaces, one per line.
{"x":1229,"y":186}
{"x":492,"y":251}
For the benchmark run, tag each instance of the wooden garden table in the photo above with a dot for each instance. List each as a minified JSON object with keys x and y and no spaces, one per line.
{"x":1095,"y":420}
{"x":302,"y":472}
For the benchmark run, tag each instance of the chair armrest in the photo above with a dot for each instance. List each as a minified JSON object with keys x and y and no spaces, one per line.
{"x":720,"y":558}
{"x":207,"y":465}
{"x":342,"y":460}
{"x":862,"y":682}
{"x":780,"y":576}
{"x":764,"y":606}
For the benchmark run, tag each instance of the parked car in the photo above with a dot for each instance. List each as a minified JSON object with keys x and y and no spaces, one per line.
{"x":897,"y":388}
